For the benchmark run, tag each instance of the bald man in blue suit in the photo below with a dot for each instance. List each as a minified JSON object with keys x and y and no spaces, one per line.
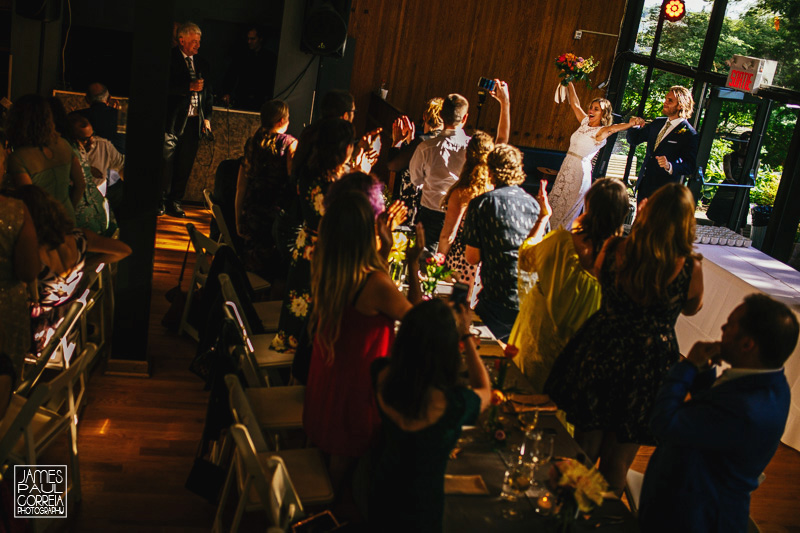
{"x":671,"y":143}
{"x":713,"y":447}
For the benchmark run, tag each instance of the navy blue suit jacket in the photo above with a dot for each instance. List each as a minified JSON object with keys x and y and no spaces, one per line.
{"x":679,"y":147}
{"x":711,"y":449}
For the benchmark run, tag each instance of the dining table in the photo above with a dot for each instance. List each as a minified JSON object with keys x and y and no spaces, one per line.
{"x":477,"y":454}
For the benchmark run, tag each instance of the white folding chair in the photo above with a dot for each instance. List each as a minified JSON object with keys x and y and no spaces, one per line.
{"x":257,"y":282}
{"x":633,"y":489}
{"x":258,"y":344}
{"x":204,"y":248}
{"x":266,"y":408}
{"x":32,"y":424}
{"x":264,"y":484}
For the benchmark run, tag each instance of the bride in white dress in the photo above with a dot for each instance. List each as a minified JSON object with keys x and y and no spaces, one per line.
{"x":575,"y":176}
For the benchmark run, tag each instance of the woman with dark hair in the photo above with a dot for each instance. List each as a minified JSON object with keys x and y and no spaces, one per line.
{"x":575,"y":175}
{"x":92,"y":211}
{"x":356,"y":304}
{"x":607,"y":377}
{"x":63,"y":250}
{"x":422,"y":409}
{"x":558,"y":284}
{"x":40,"y":156}
{"x":331,"y":147}
{"x":262,"y":188}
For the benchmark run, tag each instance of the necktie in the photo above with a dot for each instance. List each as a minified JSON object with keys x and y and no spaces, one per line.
{"x":195,"y":98}
{"x":661,"y":134}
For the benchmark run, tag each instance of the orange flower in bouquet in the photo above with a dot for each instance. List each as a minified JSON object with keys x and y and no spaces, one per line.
{"x":572,"y":68}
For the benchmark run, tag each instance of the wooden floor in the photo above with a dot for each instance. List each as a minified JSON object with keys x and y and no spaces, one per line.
{"x":138,"y":437}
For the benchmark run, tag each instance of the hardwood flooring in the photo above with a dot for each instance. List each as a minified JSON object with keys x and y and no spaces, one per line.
{"x":138,"y":436}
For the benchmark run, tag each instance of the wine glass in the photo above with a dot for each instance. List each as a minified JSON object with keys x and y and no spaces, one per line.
{"x":546,"y":445}
{"x":528,"y":421}
{"x":516,"y":481}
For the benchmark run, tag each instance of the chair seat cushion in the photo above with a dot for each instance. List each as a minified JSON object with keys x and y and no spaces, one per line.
{"x":269,"y":313}
{"x":277,"y":407}
{"x":266,"y":356}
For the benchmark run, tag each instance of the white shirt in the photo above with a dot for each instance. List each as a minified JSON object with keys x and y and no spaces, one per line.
{"x":104,"y":157}
{"x":672,"y":125}
{"x":436,"y":165}
{"x":192,"y":107}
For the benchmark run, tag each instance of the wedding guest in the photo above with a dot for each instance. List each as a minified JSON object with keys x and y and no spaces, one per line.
{"x":423,"y":408}
{"x":63,"y":250}
{"x":19,"y":264}
{"x":40,"y":156}
{"x":330,"y":147}
{"x":495,"y":225}
{"x":92,"y":211}
{"x":713,"y":447}
{"x":404,"y":144}
{"x":607,"y":376}
{"x":263,"y":189}
{"x":356,"y":305}
{"x":437,"y":162}
{"x":575,"y":175}
{"x":561,"y":289}
{"x":473,"y":182}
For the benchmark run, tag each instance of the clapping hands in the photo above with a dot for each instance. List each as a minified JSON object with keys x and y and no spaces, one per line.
{"x":403,"y":131}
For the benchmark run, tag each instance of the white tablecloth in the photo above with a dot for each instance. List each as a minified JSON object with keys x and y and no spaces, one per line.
{"x":730,"y":274}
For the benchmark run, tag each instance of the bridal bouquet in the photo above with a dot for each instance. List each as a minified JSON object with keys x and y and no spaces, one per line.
{"x":572,"y":68}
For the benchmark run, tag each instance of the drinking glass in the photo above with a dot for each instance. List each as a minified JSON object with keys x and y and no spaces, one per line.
{"x":517,"y":480}
{"x":528,"y":421}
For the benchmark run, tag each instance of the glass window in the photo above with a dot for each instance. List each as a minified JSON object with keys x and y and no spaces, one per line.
{"x":759,"y":28}
{"x":681,"y":41}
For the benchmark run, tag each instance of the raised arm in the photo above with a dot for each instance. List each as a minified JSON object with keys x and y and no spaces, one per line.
{"x":501,"y":94}
{"x":574,"y":103}
{"x":607,"y":131}
{"x":545,"y":211}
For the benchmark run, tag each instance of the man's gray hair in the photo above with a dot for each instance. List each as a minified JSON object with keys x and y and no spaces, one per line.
{"x":95,"y":95}
{"x":188,"y":27}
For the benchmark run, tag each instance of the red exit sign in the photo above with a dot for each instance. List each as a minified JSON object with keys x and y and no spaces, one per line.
{"x":740,"y":79}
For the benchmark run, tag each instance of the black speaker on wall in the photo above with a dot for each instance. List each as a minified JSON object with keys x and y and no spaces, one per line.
{"x":325,"y":27}
{"x":43,"y":10}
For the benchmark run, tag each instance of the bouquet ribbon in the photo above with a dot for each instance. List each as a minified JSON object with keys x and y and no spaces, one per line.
{"x":561,"y":94}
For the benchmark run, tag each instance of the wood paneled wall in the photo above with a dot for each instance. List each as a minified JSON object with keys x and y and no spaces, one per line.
{"x":427,"y":48}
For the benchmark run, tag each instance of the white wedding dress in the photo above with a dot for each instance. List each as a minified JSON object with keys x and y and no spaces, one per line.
{"x":575,"y":176}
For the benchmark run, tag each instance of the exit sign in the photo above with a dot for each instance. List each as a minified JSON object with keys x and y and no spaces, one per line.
{"x":747,"y":74}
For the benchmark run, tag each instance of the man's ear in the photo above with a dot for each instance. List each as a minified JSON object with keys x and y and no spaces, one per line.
{"x":464,"y":120}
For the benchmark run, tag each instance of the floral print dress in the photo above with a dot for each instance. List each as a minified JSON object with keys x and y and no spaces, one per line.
{"x":297,"y":302}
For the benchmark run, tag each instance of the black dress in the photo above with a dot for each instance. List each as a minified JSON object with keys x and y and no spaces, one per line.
{"x":609,"y":373}
{"x":407,"y":486}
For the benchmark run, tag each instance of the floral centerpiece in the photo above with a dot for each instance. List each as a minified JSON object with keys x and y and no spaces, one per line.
{"x":435,"y":271}
{"x":572,"y":68}
{"x":397,"y":255}
{"x":576,"y":489}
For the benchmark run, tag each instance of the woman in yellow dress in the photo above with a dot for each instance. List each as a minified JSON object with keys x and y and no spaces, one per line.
{"x":558,"y":287}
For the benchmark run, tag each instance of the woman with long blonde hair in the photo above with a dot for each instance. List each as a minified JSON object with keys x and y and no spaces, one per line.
{"x":607,"y":376}
{"x":355,"y":307}
{"x":473,"y":182}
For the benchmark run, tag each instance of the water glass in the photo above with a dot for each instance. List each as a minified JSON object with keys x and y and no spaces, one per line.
{"x":517,"y":480}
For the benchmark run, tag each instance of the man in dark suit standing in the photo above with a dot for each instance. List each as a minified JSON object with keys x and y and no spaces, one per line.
{"x":188,"y":116}
{"x":713,"y":447}
{"x":671,"y":143}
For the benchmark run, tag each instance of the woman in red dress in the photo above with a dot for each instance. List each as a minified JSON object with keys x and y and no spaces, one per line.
{"x":356,"y":305}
